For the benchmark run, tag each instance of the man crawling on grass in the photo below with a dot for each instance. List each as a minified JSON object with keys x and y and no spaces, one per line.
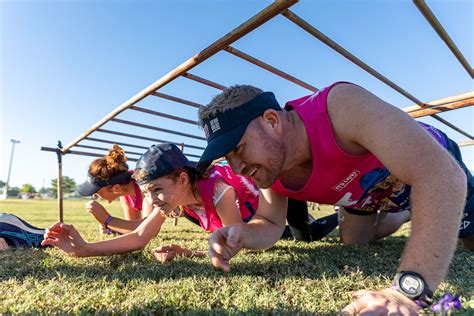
{"x":344,"y":146}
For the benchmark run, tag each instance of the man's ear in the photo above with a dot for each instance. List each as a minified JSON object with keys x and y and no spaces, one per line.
{"x":273,"y":120}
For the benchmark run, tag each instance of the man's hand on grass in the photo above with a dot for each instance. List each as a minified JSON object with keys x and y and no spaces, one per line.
{"x":383,"y":302}
{"x":225,"y":243}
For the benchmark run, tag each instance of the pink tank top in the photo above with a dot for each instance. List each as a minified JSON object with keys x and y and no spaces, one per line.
{"x":135,"y":201}
{"x":247,"y":197}
{"x":338,"y":178}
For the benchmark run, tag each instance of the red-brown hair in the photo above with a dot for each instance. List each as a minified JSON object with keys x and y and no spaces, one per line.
{"x":109,"y":165}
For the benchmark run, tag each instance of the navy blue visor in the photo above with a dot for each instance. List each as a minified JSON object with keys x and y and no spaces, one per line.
{"x":224,"y":130}
{"x":94,"y":184}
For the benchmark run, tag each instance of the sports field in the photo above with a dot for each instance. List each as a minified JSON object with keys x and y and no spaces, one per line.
{"x":290,"y":278}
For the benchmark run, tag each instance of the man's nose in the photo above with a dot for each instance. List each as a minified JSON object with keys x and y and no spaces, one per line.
{"x":237,"y":165}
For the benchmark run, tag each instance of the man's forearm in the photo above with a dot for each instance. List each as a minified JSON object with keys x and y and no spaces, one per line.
{"x":437,"y":207}
{"x":261,"y":233}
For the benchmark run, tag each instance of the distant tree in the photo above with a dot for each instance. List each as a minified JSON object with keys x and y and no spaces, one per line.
{"x":2,"y":184}
{"x":28,"y":188}
{"x":43,"y":190}
{"x":13,"y":191}
{"x":69,"y":185}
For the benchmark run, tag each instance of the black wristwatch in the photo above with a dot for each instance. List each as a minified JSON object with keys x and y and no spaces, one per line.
{"x":413,"y":286}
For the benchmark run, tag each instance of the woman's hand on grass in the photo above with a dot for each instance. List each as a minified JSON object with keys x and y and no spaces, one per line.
{"x":66,"y":238}
{"x":169,"y":252}
{"x":383,"y":302}
{"x":225,"y":243}
{"x":98,"y":211}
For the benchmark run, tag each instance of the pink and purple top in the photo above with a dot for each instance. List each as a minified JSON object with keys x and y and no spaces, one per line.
{"x":135,"y":201}
{"x":213,"y":187}
{"x":338,"y":178}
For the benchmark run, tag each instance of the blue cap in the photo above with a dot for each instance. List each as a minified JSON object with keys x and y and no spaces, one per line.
{"x":224,"y":130}
{"x":160,"y":160}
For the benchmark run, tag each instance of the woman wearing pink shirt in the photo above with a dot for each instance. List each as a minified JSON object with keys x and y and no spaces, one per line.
{"x":109,"y":178}
{"x":171,"y":184}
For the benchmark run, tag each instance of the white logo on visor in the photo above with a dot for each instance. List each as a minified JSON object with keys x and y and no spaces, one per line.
{"x":215,"y":125}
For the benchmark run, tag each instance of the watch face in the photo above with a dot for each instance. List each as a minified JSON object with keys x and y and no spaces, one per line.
{"x":411,"y":285}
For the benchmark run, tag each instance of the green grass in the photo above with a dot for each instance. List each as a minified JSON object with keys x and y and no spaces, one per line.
{"x":290,"y":278}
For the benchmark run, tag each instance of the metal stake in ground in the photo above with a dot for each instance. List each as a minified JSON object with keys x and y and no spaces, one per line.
{"x":59,"y":182}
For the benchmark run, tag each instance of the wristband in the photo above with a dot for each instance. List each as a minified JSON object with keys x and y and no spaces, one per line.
{"x":107,"y":221}
{"x":413,"y":286}
{"x":421,"y":302}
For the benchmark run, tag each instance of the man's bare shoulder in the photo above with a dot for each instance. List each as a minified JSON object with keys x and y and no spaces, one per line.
{"x":346,"y":98}
{"x":345,"y":104}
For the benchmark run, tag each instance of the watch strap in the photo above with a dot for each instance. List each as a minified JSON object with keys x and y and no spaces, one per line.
{"x":425,"y":296}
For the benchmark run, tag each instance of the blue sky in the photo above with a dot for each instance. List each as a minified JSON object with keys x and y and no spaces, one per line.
{"x":66,"y":64}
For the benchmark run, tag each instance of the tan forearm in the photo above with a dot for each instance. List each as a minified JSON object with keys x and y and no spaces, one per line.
{"x":261,"y":233}
{"x":437,"y":207}
{"x":123,"y":244}
{"x":124,"y":226}
{"x":135,"y":240}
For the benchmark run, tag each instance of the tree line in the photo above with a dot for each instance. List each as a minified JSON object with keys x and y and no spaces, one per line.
{"x":69,"y":186}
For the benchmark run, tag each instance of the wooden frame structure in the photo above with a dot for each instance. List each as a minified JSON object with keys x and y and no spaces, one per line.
{"x":279,"y":7}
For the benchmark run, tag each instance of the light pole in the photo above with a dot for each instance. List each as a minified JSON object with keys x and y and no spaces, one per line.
{"x":5,"y":189}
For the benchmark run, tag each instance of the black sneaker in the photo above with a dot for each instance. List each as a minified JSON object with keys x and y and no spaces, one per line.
{"x":18,"y":233}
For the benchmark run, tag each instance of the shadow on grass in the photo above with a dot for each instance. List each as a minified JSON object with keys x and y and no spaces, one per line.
{"x":306,"y":261}
{"x":288,"y":258}
{"x":309,"y":260}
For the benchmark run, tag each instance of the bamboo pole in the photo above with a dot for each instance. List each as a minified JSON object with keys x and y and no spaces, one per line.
{"x":113,"y":142}
{"x":128,"y":152}
{"x":125,"y":144}
{"x":169,"y":116}
{"x":89,"y":154}
{"x":80,"y":153}
{"x":260,"y":18}
{"x":164,"y":130}
{"x":439,"y":102}
{"x":271,"y":69}
{"x":203,"y":81}
{"x":438,"y":27}
{"x":175,"y":99}
{"x":329,"y":42}
{"x":443,"y":108}
{"x":466,"y":143}
{"x":145,"y":138}
{"x":106,"y":149}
